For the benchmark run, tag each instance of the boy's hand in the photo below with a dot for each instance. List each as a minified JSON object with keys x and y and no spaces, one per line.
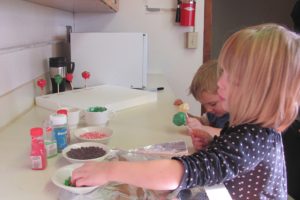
{"x":200,"y":138}
{"x":194,"y":123}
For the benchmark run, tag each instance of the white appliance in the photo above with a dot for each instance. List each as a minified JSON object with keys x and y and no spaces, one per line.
{"x":111,"y":58}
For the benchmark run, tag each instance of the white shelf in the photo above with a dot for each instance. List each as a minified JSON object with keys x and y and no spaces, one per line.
{"x":81,"y":5}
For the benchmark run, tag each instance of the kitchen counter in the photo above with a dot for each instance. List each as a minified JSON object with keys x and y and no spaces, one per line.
{"x":134,"y":127}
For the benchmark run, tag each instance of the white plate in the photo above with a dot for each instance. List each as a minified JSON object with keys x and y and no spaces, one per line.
{"x":63,"y":174}
{"x":85,"y":144}
{"x":107,"y":131}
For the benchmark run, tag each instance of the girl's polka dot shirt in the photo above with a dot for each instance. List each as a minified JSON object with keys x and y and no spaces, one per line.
{"x":248,"y":159}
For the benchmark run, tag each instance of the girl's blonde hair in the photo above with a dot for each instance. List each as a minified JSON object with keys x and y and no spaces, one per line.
{"x":263,"y":64}
{"x":205,"y":79}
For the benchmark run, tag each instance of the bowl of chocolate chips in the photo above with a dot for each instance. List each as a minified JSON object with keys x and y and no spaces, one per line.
{"x":85,"y":152}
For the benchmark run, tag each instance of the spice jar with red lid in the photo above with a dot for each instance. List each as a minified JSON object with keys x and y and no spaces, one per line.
{"x":38,"y":153}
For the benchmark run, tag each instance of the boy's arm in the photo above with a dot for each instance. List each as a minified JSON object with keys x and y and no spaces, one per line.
{"x":212,"y":130}
{"x":203,"y":119}
{"x":203,"y":125}
{"x":207,"y":128}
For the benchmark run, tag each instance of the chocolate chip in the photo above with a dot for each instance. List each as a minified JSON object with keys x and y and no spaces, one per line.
{"x":84,"y":153}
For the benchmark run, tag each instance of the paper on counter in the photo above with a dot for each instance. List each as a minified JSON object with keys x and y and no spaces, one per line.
{"x":217,"y":192}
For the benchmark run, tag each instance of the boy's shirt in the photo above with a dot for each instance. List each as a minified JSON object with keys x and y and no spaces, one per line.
{"x":217,"y":122}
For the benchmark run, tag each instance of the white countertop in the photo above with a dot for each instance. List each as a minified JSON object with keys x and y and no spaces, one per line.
{"x":134,"y":127}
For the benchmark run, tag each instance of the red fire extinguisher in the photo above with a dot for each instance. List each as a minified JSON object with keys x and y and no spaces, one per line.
{"x":187,"y":12}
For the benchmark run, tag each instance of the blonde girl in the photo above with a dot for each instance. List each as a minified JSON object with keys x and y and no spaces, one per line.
{"x":260,"y":88}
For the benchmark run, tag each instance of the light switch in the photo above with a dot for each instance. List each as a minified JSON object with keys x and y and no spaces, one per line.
{"x":192,"y":40}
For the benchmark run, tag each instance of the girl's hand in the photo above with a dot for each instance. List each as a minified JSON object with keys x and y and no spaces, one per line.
{"x":200,"y":138}
{"x":91,"y":174}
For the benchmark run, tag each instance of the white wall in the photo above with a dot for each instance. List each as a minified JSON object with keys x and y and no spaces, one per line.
{"x":167,"y":52}
{"x":24,"y":24}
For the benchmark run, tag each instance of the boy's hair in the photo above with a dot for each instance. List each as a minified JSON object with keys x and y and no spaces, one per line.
{"x":205,"y":79}
{"x":263,"y":65}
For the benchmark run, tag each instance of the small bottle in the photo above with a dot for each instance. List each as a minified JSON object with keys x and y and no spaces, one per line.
{"x":65,"y":112}
{"x":60,"y":130}
{"x":38,"y":153}
{"x":49,"y":139}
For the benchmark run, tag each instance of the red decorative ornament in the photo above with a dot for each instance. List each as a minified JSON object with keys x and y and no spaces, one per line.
{"x":41,"y":83}
{"x":69,"y":77}
{"x":85,"y":75}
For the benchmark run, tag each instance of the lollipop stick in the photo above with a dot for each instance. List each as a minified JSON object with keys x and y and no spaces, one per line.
{"x":58,"y":79}
{"x":41,"y":83}
{"x":187,"y":115}
{"x":69,"y":78}
{"x":85,"y":75}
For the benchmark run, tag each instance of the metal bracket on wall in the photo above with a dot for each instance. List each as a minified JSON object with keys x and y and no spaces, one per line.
{"x":149,"y":9}
{"x":69,"y":31}
{"x":157,"y":9}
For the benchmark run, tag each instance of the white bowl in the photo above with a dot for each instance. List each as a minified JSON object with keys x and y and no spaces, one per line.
{"x":107,"y":131}
{"x":85,"y":144}
{"x":63,"y":174}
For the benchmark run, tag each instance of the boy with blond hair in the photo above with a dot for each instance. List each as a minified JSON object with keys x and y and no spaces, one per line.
{"x":204,"y":89}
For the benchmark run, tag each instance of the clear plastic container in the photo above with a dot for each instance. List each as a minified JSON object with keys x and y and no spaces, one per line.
{"x":49,"y":139}
{"x":60,"y":130}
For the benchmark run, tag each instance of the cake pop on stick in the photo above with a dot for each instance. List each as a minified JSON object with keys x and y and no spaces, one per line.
{"x":69,"y":78}
{"x":86,"y":75}
{"x":181,"y":117}
{"x":58,"y":79}
{"x":178,"y":102}
{"x":41,"y":83}
{"x":184,"y":107}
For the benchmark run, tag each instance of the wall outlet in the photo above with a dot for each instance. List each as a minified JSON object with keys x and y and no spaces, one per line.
{"x":192,"y":40}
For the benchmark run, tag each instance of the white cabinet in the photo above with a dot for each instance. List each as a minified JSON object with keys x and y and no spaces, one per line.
{"x":81,"y":5}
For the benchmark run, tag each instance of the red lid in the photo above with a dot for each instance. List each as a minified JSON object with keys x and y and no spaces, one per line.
{"x":35,"y":132}
{"x":62,"y":111}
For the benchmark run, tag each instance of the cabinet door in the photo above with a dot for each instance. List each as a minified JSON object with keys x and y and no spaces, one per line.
{"x":81,"y":5}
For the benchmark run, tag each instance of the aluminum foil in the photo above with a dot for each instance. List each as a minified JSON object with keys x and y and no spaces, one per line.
{"x":115,"y":191}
